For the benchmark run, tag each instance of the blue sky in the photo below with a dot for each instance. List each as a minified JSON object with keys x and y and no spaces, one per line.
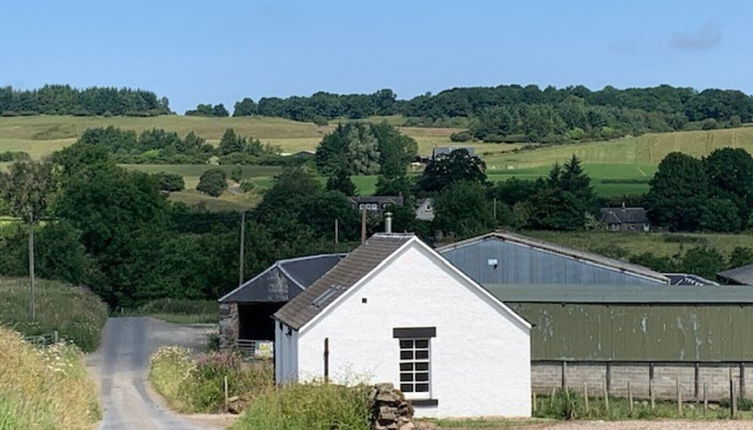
{"x":221,"y":51}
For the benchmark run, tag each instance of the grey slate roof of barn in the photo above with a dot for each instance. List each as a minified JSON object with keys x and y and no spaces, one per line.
{"x":301,"y":272}
{"x":742,"y":275}
{"x":362,"y":260}
{"x":381,"y":200}
{"x":560,"y":250}
{"x":619,"y":294}
{"x":623,"y":216}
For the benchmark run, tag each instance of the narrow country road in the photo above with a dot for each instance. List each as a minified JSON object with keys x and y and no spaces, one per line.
{"x":121,"y":366}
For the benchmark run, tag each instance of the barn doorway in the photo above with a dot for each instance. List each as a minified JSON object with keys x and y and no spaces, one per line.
{"x":255,"y":320}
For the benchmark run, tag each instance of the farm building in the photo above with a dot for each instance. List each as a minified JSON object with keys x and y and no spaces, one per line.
{"x":447,"y":150}
{"x":246,"y":312}
{"x":375,"y":204}
{"x":394,"y":310}
{"x":649,"y":335}
{"x":506,"y":258}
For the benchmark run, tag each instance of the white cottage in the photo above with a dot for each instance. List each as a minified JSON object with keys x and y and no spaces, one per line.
{"x":394,"y":310}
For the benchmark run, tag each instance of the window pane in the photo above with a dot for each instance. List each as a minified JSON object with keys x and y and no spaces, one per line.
{"x":422,"y":355}
{"x":406,"y":367}
{"x":422,"y":388}
{"x":406,"y":355}
{"x":406,"y":377}
{"x":406,"y":388}
{"x":422,"y":377}
{"x":422,"y":343}
{"x":422,"y":366}
{"x":406,"y":343}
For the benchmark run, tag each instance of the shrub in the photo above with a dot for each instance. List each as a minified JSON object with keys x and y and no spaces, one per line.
{"x":212,"y":182}
{"x":197,"y":385}
{"x":312,"y":406}
{"x":170,"y":182}
{"x":461,"y":136}
{"x":44,"y":388}
{"x":320,"y":120}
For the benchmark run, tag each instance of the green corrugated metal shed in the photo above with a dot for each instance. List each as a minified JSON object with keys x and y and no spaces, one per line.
{"x":635,"y":323}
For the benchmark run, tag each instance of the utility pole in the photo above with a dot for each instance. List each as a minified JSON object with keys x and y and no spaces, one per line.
{"x":495,"y":209}
{"x":32,"y":305}
{"x":363,"y":226}
{"x":337,"y":231}
{"x":243,"y":248}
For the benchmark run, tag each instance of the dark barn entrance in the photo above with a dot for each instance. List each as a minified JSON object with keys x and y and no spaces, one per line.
{"x":255,"y":320}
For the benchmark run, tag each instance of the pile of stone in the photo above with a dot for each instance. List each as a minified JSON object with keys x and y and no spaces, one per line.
{"x":389,"y":409}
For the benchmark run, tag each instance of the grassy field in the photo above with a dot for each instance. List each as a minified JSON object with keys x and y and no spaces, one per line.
{"x":661,"y":244}
{"x":76,"y":313}
{"x":179,"y":311}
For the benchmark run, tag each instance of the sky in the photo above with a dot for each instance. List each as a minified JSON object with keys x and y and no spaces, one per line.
{"x":221,"y":51}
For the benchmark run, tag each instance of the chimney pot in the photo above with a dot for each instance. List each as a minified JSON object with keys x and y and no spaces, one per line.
{"x":388,"y":222}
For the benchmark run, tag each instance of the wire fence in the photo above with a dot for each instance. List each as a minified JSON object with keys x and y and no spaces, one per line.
{"x":43,"y":340}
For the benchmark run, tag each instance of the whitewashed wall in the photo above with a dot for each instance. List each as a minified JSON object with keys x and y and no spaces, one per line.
{"x":480,"y":357}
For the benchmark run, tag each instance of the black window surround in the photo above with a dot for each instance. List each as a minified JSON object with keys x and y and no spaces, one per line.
{"x":414,"y":332}
{"x":417,"y":403}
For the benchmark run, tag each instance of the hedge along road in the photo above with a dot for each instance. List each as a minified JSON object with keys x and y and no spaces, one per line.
{"x":122,"y":364}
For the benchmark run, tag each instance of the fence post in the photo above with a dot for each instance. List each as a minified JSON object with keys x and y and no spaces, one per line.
{"x":585,"y":395}
{"x":226,"y":394}
{"x":630,"y":396}
{"x":533,"y":402}
{"x":606,"y":397}
{"x":732,"y":396}
{"x":679,"y":397}
{"x":696,"y":380}
{"x":55,"y":337}
{"x":705,"y":397}
{"x":551,"y":398}
{"x":652,"y":393}
{"x":742,"y":380}
{"x":564,"y":375}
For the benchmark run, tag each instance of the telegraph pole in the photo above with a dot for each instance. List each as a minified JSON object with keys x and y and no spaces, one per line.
{"x":242,"y":250}
{"x":32,"y":305}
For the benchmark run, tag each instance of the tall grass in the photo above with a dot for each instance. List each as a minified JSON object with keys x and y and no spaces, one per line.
{"x":44,"y":388}
{"x":75,"y":313}
{"x":312,"y":406}
{"x":194,"y":385}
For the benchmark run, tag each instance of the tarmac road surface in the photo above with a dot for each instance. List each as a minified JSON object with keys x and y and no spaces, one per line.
{"x":121,"y":366}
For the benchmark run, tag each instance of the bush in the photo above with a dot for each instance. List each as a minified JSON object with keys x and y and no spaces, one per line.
{"x":170,"y":182}
{"x":309,"y":407}
{"x":461,"y":136}
{"x":212,"y":182}
{"x":76,"y":313}
{"x":319,"y":120}
{"x":44,"y":389}
{"x":197,"y":385}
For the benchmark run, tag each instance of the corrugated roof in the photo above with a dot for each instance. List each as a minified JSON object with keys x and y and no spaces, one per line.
{"x":361,"y":261}
{"x":628,"y":294}
{"x":742,"y":275}
{"x":300,"y":271}
{"x":563,"y":251}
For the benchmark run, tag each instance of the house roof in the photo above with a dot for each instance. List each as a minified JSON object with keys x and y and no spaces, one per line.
{"x":300,"y":271}
{"x":564,"y":251}
{"x":743,"y":275}
{"x":438,"y":150}
{"x":627,"y":294}
{"x":356,"y":266}
{"x":623,"y":216}
{"x":307,"y":305}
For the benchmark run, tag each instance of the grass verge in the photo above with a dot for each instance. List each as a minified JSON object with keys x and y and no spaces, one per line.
{"x":75,"y":313}
{"x":46,"y":388}
{"x":308,"y":407}
{"x":196,"y":385}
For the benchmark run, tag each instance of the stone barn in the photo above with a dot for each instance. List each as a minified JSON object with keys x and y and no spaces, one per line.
{"x":246,"y":312}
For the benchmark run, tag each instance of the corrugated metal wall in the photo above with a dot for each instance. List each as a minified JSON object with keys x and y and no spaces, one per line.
{"x":519,"y":264}
{"x":601,"y":332}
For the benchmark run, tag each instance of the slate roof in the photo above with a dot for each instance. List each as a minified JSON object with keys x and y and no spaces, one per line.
{"x":381,"y":200}
{"x":623,"y":216}
{"x":362,"y":260}
{"x":627,"y":294}
{"x":299,"y":273}
{"x":742,"y":275}
{"x":560,"y":250}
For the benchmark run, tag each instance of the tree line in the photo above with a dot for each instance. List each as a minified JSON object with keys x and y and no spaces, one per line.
{"x":66,"y":100}
{"x":512,"y":113}
{"x":158,"y":146}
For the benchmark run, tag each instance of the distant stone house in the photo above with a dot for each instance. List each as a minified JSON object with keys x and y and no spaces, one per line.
{"x":625,"y":219}
{"x":246,"y":312}
{"x":375,"y":204}
{"x":425,"y":209}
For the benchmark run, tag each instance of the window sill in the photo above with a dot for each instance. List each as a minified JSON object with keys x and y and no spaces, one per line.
{"x":418,"y":403}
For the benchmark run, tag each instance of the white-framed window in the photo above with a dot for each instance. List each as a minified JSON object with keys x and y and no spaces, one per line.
{"x":415,"y":367}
